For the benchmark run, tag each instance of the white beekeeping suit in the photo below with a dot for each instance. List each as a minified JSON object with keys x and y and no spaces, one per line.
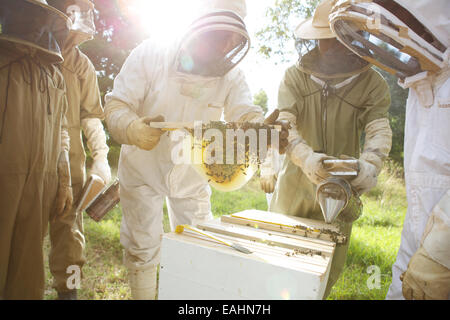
{"x":421,"y":37}
{"x":172,"y":83}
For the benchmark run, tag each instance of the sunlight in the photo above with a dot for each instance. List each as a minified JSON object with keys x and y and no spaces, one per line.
{"x":164,"y":20}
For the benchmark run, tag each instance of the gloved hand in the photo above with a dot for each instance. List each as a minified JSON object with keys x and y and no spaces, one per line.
{"x":101,"y":168}
{"x":96,"y":141}
{"x":425,"y":279}
{"x":283,"y":142}
{"x":268,"y":183}
{"x":64,"y":197}
{"x":366,"y":178}
{"x":377,"y":145}
{"x":140,"y":134}
{"x":428,"y":273}
{"x":310,"y":162}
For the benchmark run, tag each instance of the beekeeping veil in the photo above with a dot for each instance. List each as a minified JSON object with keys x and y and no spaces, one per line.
{"x":81,"y":13}
{"x":35,"y":24}
{"x":216,"y":41}
{"x":402,"y":37}
{"x":337,"y":61}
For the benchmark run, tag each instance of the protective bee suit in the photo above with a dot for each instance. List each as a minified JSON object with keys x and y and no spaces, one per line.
{"x":330,"y":97}
{"x":34,"y":142}
{"x":172,"y":83}
{"x":85,"y":112}
{"x":270,"y":169}
{"x":418,"y":32}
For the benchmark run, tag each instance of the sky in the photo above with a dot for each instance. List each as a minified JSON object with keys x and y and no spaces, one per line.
{"x":262,"y":73}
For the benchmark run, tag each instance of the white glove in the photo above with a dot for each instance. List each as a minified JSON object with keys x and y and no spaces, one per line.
{"x":269,"y":171}
{"x":376,"y":148}
{"x":64,"y":197}
{"x":366,"y":179}
{"x":101,"y":168}
{"x":310,"y":162}
{"x":301,"y":154}
{"x":96,"y":141}
{"x":140,"y":134}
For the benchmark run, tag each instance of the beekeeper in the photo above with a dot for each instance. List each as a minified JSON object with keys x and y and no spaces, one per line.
{"x":193,"y":79}
{"x":85,"y":113}
{"x":34,"y":143}
{"x":411,"y":39}
{"x":330,"y":97}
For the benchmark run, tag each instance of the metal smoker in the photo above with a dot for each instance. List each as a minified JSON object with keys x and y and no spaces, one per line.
{"x":335,"y":192}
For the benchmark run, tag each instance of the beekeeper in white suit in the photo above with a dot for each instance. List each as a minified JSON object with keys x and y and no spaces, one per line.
{"x":194,"y":79}
{"x":418,"y":32}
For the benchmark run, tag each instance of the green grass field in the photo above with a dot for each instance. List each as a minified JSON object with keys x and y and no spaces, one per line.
{"x":374,"y":242}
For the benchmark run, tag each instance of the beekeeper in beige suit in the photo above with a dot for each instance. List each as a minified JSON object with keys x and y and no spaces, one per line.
{"x":84,"y":114}
{"x":34,"y":143}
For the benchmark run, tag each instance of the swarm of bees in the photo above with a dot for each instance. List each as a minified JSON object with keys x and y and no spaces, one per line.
{"x":299,"y":251}
{"x":246,"y":159}
{"x":334,"y":236}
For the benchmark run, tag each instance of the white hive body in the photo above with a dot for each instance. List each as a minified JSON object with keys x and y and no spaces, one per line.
{"x":290,"y":259}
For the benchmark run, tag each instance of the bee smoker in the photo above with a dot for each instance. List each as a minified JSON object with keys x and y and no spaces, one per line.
{"x":335,"y":193}
{"x":104,"y":202}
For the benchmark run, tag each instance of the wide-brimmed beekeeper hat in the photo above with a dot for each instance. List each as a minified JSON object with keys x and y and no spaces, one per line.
{"x":35,"y":24}
{"x":317,"y":27}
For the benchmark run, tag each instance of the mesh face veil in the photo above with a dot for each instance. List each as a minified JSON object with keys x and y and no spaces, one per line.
{"x":320,"y":54}
{"x":214,"y":44}
{"x":80,"y":12}
{"x":336,"y":62}
{"x":35,"y":24}
{"x":380,"y":37}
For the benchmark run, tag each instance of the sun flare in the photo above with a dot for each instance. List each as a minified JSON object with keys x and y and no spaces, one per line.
{"x":164,"y":20}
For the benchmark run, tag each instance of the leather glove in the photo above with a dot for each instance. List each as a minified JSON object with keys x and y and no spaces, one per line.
{"x":268,"y":183}
{"x":425,"y":279}
{"x":64,"y":197}
{"x":283,"y":142}
{"x":101,"y":168}
{"x":377,"y":145}
{"x":366,"y":178}
{"x":428,"y":273}
{"x":140,"y":134}
{"x":310,"y":162}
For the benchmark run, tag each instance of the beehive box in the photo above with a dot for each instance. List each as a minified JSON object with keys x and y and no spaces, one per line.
{"x":290,"y":259}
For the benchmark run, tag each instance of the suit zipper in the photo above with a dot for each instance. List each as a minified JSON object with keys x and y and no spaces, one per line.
{"x":324,"y":117}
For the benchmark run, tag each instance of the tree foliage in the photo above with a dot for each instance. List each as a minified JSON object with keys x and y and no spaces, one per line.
{"x":396,"y":115}
{"x":283,"y":17}
{"x":115,"y":38}
{"x":261,"y":99}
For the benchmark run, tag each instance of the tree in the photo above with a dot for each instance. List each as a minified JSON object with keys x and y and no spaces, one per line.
{"x":261,"y":99}
{"x":396,"y":115}
{"x":284,"y":16}
{"x":116,"y":36}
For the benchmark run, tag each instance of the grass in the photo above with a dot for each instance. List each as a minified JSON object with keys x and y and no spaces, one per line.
{"x":374,"y":242}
